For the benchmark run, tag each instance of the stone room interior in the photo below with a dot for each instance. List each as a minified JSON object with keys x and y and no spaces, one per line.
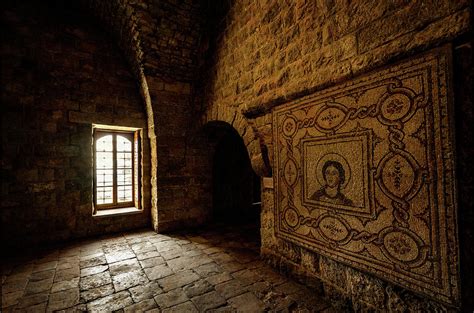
{"x":237,"y":156}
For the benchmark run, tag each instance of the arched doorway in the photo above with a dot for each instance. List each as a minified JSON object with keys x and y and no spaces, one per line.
{"x":236,"y":187}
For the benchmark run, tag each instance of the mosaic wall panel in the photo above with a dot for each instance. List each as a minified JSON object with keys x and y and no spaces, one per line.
{"x":364,"y":175}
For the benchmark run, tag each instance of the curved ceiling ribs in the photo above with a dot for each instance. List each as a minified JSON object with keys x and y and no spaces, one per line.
{"x":158,"y":37}
{"x":120,"y":20}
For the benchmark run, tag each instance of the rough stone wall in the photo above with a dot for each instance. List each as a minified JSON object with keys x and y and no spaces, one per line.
{"x":160,"y":40}
{"x":179,"y":177}
{"x":60,"y":74}
{"x":171,"y":33}
{"x":270,"y":52}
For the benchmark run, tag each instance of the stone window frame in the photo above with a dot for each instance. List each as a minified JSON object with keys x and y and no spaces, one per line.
{"x":118,"y":207}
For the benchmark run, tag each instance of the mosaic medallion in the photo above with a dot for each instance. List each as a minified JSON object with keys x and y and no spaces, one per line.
{"x":364,"y":175}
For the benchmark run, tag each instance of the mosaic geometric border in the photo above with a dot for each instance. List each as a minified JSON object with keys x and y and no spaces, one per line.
{"x":364,"y":174}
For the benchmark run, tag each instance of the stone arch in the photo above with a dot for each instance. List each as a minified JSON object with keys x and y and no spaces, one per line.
{"x":253,"y":140}
{"x":234,"y":186}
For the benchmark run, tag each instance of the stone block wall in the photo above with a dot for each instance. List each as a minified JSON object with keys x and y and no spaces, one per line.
{"x":271,"y":52}
{"x":182,"y":158}
{"x":60,"y":73}
{"x":139,"y":71}
{"x":170,"y":34}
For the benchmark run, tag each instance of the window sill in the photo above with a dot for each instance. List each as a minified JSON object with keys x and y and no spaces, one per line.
{"x":117,"y":212}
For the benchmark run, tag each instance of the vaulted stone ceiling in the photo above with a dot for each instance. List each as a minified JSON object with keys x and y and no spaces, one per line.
{"x":159,"y":38}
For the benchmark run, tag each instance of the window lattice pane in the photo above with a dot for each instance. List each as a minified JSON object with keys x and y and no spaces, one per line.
{"x":104,"y":178}
{"x":104,"y":160}
{"x":104,"y":143}
{"x":124,"y":177}
{"x":104,"y":195}
{"x":124,"y":160}
{"x":124,"y":193}
{"x":123,"y":144}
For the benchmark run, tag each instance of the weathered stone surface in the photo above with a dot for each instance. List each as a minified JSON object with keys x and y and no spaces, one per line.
{"x":182,"y":263}
{"x":51,"y":265}
{"x":15,"y":285}
{"x":151,"y":262}
{"x":97,"y":292}
{"x":219,"y":278}
{"x":37,"y":276}
{"x":197,"y":288}
{"x":232,"y":266}
{"x":147,"y":255}
{"x":290,"y":288}
{"x":183,"y":307}
{"x":113,"y":302}
{"x":93,"y":260}
{"x":126,"y":280}
{"x":63,"y":299}
{"x":157,"y":272}
{"x":170,"y":254}
{"x":222,"y":257}
{"x":247,"y":277}
{"x":208,"y":269}
{"x":142,"y":306}
{"x":145,"y":291}
{"x":171,"y":298}
{"x":260,"y":289}
{"x":68,"y":265}
{"x":28,"y":301}
{"x":38,"y":286}
{"x":366,"y":289}
{"x":41,"y":307}
{"x":124,"y":267}
{"x":120,"y":255}
{"x":208,"y":301}
{"x":64,"y":285}
{"x":93,"y":270}
{"x":179,"y":279}
{"x":230,"y":288}
{"x":139,"y":246}
{"x":128,"y":287}
{"x":94,"y":281}
{"x":247,"y":302}
{"x":67,"y":274}
{"x":11,"y":298}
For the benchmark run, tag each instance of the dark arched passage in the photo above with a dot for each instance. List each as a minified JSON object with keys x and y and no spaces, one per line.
{"x":235,"y":186}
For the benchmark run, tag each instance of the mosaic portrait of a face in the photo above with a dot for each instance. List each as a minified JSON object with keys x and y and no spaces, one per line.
{"x":336,"y":173}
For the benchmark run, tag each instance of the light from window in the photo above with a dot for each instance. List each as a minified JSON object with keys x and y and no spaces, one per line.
{"x":116,"y":169}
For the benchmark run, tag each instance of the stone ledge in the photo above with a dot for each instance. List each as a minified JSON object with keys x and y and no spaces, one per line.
{"x":117,"y":212}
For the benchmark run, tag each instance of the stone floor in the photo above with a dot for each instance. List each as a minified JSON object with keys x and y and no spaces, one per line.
{"x":213,"y":270}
